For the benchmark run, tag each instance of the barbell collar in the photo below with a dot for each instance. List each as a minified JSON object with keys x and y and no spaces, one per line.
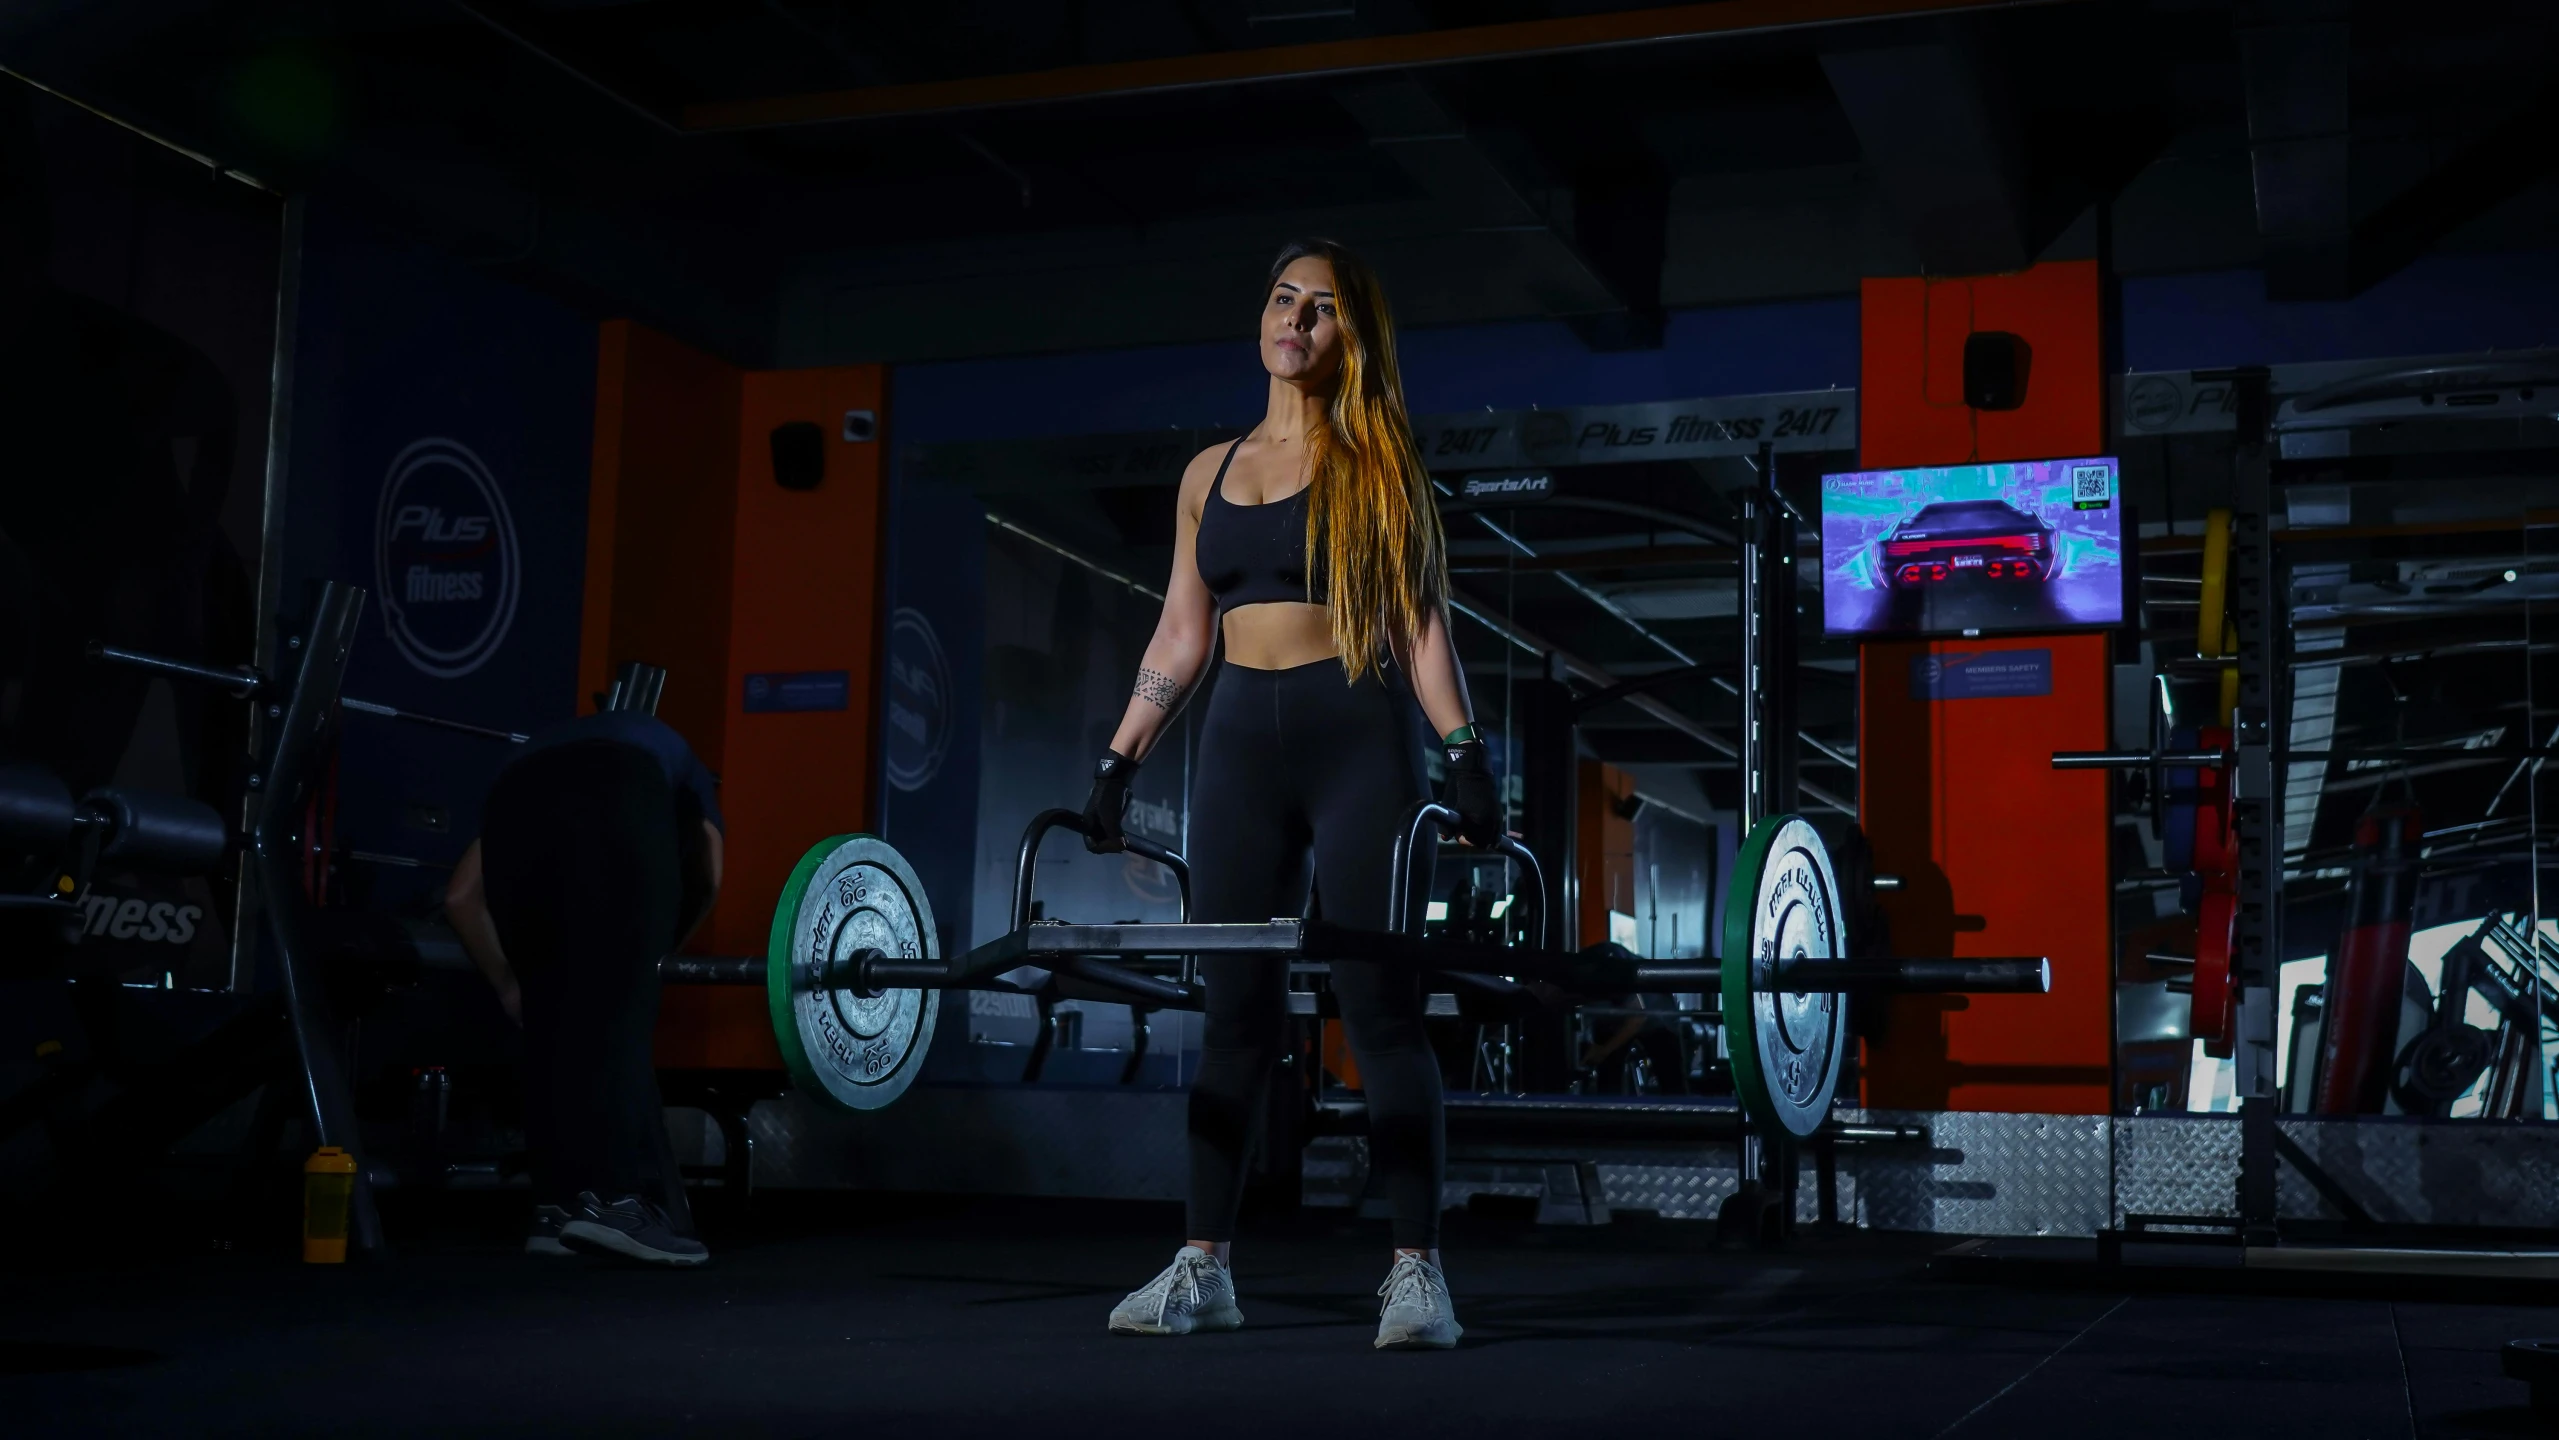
{"x":2029,"y":975}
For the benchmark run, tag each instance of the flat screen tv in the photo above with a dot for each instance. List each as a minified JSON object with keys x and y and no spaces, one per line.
{"x":1973,"y":549}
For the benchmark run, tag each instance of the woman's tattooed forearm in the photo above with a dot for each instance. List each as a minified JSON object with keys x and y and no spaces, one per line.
{"x":1158,"y":689}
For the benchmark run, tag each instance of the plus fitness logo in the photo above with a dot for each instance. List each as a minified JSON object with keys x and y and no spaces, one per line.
{"x":919,"y":701}
{"x":445,"y":558}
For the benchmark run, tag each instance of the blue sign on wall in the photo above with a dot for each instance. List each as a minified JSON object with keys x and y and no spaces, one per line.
{"x":1981,"y":675}
{"x":781,"y":692}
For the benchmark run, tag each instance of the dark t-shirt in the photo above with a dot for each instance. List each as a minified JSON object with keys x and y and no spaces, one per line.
{"x":645,"y":732}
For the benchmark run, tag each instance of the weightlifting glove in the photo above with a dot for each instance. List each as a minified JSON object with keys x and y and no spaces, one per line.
{"x":1468,"y":789}
{"x":1105,"y":808}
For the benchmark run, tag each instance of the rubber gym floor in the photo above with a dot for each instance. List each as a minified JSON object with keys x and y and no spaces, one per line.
{"x":870,"y":1317}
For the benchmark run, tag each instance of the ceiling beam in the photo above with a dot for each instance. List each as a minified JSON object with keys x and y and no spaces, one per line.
{"x":2300,"y":145}
{"x":1528,"y":228}
{"x":2514,"y":153}
{"x":1947,"y":153}
{"x":1367,"y":54}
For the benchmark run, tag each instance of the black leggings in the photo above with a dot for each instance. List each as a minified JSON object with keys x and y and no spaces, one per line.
{"x":1293,"y":765}
{"x":585,"y":878}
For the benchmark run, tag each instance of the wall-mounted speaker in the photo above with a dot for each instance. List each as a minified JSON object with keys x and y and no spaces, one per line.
{"x":799,"y":455}
{"x":1995,"y":366}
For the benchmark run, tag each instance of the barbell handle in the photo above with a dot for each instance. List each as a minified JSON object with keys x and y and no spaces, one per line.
{"x":871,"y":972}
{"x":2137,"y":759}
{"x":2028,"y":975}
{"x":1431,"y":816}
{"x":1026,"y":865}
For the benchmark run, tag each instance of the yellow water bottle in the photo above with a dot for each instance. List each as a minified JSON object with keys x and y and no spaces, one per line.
{"x":328,"y":1190}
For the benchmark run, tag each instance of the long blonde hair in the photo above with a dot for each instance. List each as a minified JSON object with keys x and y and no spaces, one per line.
{"x":1370,"y":514}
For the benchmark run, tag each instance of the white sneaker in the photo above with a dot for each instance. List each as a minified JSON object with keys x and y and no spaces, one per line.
{"x":1418,"y":1314}
{"x":1194,"y":1293}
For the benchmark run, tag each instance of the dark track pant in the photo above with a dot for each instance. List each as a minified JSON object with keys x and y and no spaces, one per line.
{"x":1296,"y":766}
{"x":579,"y":849}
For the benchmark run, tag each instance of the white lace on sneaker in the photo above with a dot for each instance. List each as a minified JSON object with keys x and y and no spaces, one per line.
{"x":1193,"y":1293}
{"x":1417,"y":1313}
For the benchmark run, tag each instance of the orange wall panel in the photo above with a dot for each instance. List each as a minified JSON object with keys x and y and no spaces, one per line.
{"x":661,"y":515}
{"x":807,"y":596}
{"x":698,"y":561}
{"x":1910,"y":394}
{"x":1603,"y":849}
{"x":1999,"y":854}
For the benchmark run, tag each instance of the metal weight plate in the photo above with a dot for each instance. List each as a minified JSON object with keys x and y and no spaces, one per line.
{"x":2216,"y":1006}
{"x":1783,"y":908}
{"x":850,"y":893}
{"x":2216,"y":850}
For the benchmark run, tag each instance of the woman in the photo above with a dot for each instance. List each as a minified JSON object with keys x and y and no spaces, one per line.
{"x":1314,"y":544}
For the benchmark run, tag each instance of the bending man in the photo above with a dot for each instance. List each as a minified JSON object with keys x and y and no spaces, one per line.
{"x":599,"y":852}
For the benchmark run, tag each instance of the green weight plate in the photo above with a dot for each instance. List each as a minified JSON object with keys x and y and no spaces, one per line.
{"x":1782,"y":908}
{"x":849,"y":893}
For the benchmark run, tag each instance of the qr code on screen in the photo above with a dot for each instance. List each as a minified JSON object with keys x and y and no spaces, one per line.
{"x":2092,"y":483}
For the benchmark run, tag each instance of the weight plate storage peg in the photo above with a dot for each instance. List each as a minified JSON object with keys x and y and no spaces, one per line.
{"x":849,"y":894}
{"x":1783,"y":910}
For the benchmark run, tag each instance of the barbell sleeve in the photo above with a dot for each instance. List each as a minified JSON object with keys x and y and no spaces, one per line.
{"x":1169,"y":994}
{"x":712,"y":970}
{"x":871,"y":971}
{"x":2029,"y":975}
{"x":1655,"y":979}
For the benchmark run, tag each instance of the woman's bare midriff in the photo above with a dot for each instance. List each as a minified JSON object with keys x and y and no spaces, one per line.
{"x":1277,"y":635}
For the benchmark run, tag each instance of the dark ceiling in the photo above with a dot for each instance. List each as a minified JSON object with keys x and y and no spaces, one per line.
{"x":1508,"y":158}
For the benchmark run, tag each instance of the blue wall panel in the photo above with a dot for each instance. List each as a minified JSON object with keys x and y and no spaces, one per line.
{"x":1739,"y":350}
{"x":2442,"y":304}
{"x":937,"y":655}
{"x":469,"y":405}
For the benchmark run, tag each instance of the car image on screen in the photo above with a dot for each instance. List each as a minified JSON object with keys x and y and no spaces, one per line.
{"x":1954,"y":538}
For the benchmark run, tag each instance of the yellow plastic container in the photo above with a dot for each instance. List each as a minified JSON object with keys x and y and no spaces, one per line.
{"x":328,"y":1192}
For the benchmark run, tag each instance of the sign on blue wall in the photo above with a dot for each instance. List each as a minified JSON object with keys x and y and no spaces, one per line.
{"x":784,"y":692}
{"x":1981,"y":675}
{"x":930,"y":695}
{"x":439,"y":458}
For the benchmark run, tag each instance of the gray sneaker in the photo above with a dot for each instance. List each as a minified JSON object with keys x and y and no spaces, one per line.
{"x":1194,"y":1293}
{"x":632,"y":1228}
{"x":544,"y":1237}
{"x":1418,"y":1314}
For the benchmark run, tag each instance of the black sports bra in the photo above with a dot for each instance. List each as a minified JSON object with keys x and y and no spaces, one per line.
{"x":1254,"y":554}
